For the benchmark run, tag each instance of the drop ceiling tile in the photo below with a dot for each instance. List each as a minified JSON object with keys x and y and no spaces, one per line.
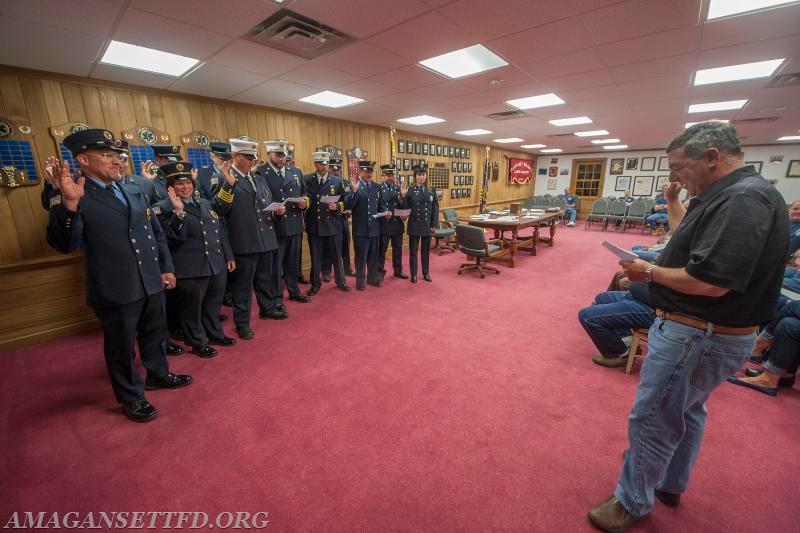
{"x":767,"y":24}
{"x":441,"y":36}
{"x":665,"y":44}
{"x":543,"y":41}
{"x":361,"y":18}
{"x":408,"y":77}
{"x":96,"y":16}
{"x":638,"y":18}
{"x":26,"y":35}
{"x":788,"y":47}
{"x":367,"y":89}
{"x":217,"y":81}
{"x":370,"y":60}
{"x":131,"y":77}
{"x":680,"y":64}
{"x":274,"y":93}
{"x":678,"y":82}
{"x":41,"y":60}
{"x":256,"y":58}
{"x":247,"y":13}
{"x":318,"y":75}
{"x":584,"y":80}
{"x":152,"y":31}
{"x":592,"y":93}
{"x":565,"y":64}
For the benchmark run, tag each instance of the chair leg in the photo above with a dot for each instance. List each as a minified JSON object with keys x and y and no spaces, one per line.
{"x":635,"y":340}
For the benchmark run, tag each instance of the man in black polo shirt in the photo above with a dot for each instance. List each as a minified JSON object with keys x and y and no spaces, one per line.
{"x":718,"y":277}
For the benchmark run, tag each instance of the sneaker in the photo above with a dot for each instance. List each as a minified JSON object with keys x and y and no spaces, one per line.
{"x":570,"y":224}
{"x":611,"y":362}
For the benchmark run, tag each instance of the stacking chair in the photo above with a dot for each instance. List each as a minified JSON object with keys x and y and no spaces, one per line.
{"x":474,"y":244}
{"x":637,"y":213}
{"x":639,"y":336}
{"x":445,"y":234}
{"x":561,"y":204}
{"x":616,"y":212}
{"x":598,"y":213}
{"x":529,"y":203}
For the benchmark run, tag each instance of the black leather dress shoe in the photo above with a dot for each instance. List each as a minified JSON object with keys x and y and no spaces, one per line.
{"x":224,"y":341}
{"x":204,"y":351}
{"x":349,"y":272}
{"x":413,"y":279}
{"x":427,"y":278}
{"x":299,"y":297}
{"x":140,"y":411}
{"x":360,"y":287}
{"x":223,"y":317}
{"x":274,"y":314}
{"x":303,"y":281}
{"x":326,"y":277}
{"x":173,"y":349}
{"x":785,"y":382}
{"x":344,"y":287}
{"x":245,"y":333}
{"x":377,"y":284}
{"x":172,"y":381}
{"x":401,"y":275}
{"x":312,"y":291}
{"x":670,"y":499}
{"x":612,"y":516}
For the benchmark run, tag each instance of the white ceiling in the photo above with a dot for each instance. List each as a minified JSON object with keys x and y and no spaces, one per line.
{"x":628,"y":65}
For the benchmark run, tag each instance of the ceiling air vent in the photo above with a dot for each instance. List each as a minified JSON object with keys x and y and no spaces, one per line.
{"x":507,"y":115}
{"x":298,"y":35}
{"x":785,"y":80}
{"x":559,"y":135}
{"x":761,"y":120}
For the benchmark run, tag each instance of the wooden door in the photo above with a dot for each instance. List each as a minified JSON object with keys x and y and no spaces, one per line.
{"x":588,"y":177}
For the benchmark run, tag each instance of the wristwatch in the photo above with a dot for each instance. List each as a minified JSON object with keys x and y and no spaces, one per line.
{"x":648,"y":273}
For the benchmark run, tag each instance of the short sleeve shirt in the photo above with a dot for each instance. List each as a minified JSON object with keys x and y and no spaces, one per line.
{"x":734,"y":236}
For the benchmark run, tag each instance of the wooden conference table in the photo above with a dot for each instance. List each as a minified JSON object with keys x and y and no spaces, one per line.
{"x":517,"y":243}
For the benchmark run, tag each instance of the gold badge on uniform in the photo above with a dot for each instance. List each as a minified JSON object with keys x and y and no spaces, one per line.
{"x":213,"y":214}
{"x":149,"y":212}
{"x":108,"y":135}
{"x":430,"y":198}
{"x":179,"y":167}
{"x":332,"y":191}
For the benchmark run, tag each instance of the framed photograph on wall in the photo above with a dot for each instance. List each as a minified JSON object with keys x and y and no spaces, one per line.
{"x":663,"y":164}
{"x":617,"y":166}
{"x":453,"y":166}
{"x":552,"y":172}
{"x":648,"y":163}
{"x":418,"y":147}
{"x":623,"y":183}
{"x":414,"y":162}
{"x":794,"y":169}
{"x":453,"y":194}
{"x":756,"y":164}
{"x":401,"y":147}
{"x":451,"y":150}
{"x":424,"y":148}
{"x":439,"y":150}
{"x":642,"y":186}
{"x":660,"y":181}
{"x":632,"y":164}
{"x":468,"y":153}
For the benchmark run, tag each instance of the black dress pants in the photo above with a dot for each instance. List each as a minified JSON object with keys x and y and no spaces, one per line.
{"x":319,"y":246}
{"x":142,"y":321}
{"x":200,"y":300}
{"x":397,"y":253}
{"x":413,"y":248}
{"x":253,"y":273}
{"x":367,"y":259}
{"x":287,"y":266}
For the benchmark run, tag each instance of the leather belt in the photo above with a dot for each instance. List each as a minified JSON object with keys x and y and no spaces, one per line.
{"x":700,"y":324}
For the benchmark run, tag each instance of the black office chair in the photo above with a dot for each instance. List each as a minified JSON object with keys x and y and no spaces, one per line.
{"x":474,"y":244}
{"x":445,"y":234}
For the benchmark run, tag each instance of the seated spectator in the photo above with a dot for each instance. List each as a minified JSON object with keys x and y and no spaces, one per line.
{"x":627,"y":197}
{"x":659,"y":212}
{"x":619,"y":282}
{"x":782,"y":338}
{"x":611,"y":317}
{"x":571,"y":206}
{"x":794,"y":228}
{"x":650,"y":253}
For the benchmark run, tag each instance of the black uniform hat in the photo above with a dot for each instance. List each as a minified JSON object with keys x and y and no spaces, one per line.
{"x":221,"y":150}
{"x":366,"y":165}
{"x":388,"y":169}
{"x":177,"y":172}
{"x":90,"y":139}
{"x":419,"y":169}
{"x":168,"y":151}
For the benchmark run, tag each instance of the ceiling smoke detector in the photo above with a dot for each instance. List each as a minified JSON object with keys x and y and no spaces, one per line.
{"x":494,"y":83}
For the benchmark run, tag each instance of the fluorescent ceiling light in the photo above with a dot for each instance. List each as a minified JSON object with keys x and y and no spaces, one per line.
{"x":533,"y":146}
{"x":789,"y":138}
{"x":690,"y":124}
{"x":543,"y":100}
{"x":605,"y":141}
{"x":591,"y":133}
{"x":717,"y":106}
{"x":551,"y":150}
{"x":471,"y":60}
{"x":420,"y":120}
{"x":615,"y":147}
{"x":147,"y":59}
{"x":745,"y":71}
{"x":474,"y":132}
{"x":571,"y":121}
{"x":509,"y":140}
{"x":331,"y":99}
{"x":725,"y":8}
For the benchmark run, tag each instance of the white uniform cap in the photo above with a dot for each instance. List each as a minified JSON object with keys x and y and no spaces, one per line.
{"x":238,"y":146}
{"x":277,"y":146}
{"x":321,"y":157}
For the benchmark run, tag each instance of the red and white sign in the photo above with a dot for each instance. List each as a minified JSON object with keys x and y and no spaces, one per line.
{"x":520,"y":170}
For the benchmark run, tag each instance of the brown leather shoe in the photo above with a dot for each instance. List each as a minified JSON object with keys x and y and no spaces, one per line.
{"x":611,"y":516}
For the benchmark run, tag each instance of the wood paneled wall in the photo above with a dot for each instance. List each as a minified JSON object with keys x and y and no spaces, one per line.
{"x":42,"y":290}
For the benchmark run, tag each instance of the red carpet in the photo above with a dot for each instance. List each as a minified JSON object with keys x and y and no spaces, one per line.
{"x":461,"y":405}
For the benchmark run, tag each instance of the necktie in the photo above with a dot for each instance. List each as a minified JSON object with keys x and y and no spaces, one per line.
{"x":117,"y":193}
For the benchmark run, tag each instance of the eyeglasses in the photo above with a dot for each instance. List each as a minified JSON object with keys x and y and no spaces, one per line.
{"x":108,"y":156}
{"x":251,"y":157}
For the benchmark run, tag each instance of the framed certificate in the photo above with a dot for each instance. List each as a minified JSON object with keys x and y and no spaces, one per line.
{"x":401,"y":147}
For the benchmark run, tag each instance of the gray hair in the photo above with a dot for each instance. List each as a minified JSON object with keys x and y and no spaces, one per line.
{"x":704,"y":135}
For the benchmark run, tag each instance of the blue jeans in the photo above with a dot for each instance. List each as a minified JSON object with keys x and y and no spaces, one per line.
{"x":571,"y":212}
{"x":668,"y":417}
{"x":655,"y":218}
{"x":611,"y":317}
{"x":645,"y":255}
